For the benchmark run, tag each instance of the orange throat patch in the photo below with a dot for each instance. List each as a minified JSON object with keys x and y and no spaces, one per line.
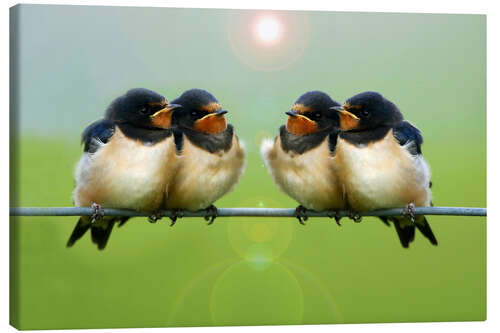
{"x":300,"y":125}
{"x":211,"y":124}
{"x":347,"y":122}
{"x":162,"y":120}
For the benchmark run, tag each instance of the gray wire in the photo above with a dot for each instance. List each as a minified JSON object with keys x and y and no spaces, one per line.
{"x":243,"y":212}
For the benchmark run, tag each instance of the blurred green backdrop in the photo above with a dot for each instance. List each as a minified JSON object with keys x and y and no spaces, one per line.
{"x":73,"y":60}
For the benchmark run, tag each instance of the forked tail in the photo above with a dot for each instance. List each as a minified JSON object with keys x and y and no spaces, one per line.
{"x":99,"y":231}
{"x":405,"y":229}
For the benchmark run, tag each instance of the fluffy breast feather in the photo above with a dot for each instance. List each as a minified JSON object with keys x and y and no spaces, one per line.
{"x":308,"y":178}
{"x":125,"y":173}
{"x":382,"y":174}
{"x":204,"y":177}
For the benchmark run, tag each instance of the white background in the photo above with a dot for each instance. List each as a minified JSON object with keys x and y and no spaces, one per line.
{"x":491,"y":8}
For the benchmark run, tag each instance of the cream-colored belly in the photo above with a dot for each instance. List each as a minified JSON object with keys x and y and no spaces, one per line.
{"x":382,"y":175}
{"x":308,"y":178}
{"x":203,"y":178}
{"x":125,"y":173}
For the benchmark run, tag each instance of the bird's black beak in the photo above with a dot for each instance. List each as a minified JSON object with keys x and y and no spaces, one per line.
{"x":291,"y":113}
{"x":163,"y":118}
{"x":218,"y":113}
{"x":171,"y":107}
{"x":344,"y":112}
{"x":348,"y":121}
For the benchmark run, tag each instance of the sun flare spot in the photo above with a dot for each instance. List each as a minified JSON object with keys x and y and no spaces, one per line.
{"x":268,"y":30}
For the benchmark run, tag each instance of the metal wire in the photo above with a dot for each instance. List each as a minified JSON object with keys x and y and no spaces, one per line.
{"x":243,"y":212}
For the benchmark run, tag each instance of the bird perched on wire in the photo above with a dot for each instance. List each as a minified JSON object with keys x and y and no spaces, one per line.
{"x":211,"y":157}
{"x":129,"y":158}
{"x":380,"y":163}
{"x":301,"y":158}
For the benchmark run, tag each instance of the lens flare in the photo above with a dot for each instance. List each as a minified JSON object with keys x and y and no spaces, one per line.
{"x":261,"y":237}
{"x":268,"y":30}
{"x":268,"y":40}
{"x":245,"y":296}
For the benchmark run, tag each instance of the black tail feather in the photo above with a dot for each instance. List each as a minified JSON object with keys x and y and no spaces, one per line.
{"x":80,"y":229}
{"x":405,"y":230}
{"x":385,"y":220}
{"x":426,"y":230}
{"x":99,"y":231}
{"x":100,"y":234}
{"x":123,"y":221}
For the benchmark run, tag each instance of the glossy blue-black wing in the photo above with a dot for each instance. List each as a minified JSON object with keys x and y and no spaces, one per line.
{"x":409,"y":136}
{"x":96,"y":134}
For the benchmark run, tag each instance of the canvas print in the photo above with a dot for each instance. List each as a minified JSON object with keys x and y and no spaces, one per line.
{"x":213,"y":167}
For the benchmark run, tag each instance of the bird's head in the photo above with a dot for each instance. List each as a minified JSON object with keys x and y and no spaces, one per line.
{"x":143,"y":108}
{"x":367,"y":110}
{"x":200,"y":111}
{"x":312,"y":113}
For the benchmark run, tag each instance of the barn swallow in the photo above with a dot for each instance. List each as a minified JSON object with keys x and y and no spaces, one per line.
{"x":129,"y":159}
{"x":211,"y":157}
{"x":301,"y":158}
{"x":380,"y":163}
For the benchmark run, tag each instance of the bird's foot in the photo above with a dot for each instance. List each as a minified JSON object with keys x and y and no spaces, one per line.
{"x":354,"y":216}
{"x":176,"y":214}
{"x":335,"y":215}
{"x":155,"y":217}
{"x":97,"y":212}
{"x":301,"y":214}
{"x":409,"y":211}
{"x":211,"y":214}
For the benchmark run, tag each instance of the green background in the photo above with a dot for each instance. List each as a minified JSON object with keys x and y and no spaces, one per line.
{"x":73,"y":60}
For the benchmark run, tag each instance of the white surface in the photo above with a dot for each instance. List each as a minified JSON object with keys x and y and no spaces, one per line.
{"x":422,"y":6}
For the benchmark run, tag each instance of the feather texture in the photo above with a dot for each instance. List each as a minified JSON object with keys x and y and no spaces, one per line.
{"x":204,"y":176}
{"x":308,"y":177}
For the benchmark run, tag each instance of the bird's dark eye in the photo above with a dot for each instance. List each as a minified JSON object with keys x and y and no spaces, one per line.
{"x":194,"y":113}
{"x":318,"y":115}
{"x":365,"y":113}
{"x":144,"y":110}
